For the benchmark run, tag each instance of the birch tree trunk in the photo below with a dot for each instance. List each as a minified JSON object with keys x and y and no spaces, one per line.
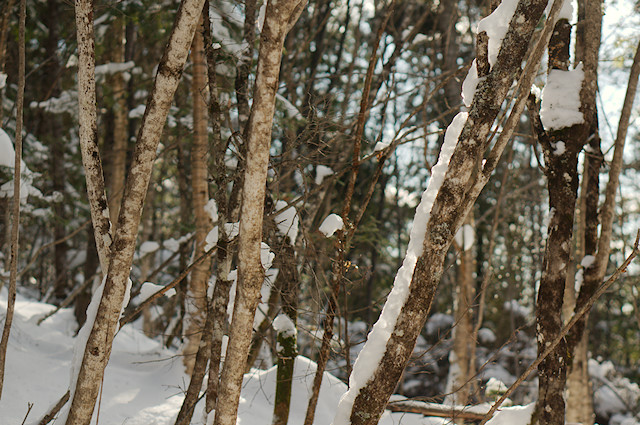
{"x":88,"y":132}
{"x":170,"y":68}
{"x":280,"y":16}
{"x":407,"y":308}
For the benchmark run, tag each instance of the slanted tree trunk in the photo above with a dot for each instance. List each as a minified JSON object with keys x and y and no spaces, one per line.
{"x":100,"y":339}
{"x":279,"y":18}
{"x":197,"y":293}
{"x":408,"y":304}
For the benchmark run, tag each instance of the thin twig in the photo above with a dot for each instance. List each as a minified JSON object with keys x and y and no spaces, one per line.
{"x":13,"y":276}
{"x":129,"y":317}
{"x":55,"y":409}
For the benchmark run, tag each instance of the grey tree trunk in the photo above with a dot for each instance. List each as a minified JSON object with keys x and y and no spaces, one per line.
{"x":279,"y":18}
{"x":100,"y":339}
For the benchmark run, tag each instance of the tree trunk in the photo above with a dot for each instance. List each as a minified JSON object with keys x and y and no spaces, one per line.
{"x":279,"y":18}
{"x":100,"y":339}
{"x":15,"y":228}
{"x":287,"y":336}
{"x":462,"y":371}
{"x":118,"y":161}
{"x":197,"y":294}
{"x":408,"y":304}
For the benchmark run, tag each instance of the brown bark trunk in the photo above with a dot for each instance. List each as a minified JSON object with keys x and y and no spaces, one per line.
{"x":120,"y":121}
{"x":279,"y":17}
{"x":197,"y":294}
{"x":461,"y":380}
{"x":15,"y":228}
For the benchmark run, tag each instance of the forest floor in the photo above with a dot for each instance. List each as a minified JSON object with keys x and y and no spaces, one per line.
{"x":144,"y":382}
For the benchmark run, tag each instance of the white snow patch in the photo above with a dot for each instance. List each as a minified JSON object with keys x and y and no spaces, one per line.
{"x":470,"y":84}
{"x":372,"y":352}
{"x":588,"y":261}
{"x":287,"y":221}
{"x":561,"y":99}
{"x":282,"y":324}
{"x":266,"y":256}
{"x":380,"y":146}
{"x":331,"y":224}
{"x":212,"y":210}
{"x":137,"y":112}
{"x":559,"y":148}
{"x":496,"y":26}
{"x":516,"y":415}
{"x":3,"y":80}
{"x":148,"y":247}
{"x":149,"y":288}
{"x":465,"y":237}
{"x":7,"y":153}
{"x":322,"y":171}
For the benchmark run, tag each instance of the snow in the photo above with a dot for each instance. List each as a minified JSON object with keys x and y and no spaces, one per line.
{"x":287,"y":221}
{"x":212,"y":210}
{"x":114,"y":67}
{"x":561,"y":99}
{"x":588,"y":261}
{"x":331,"y":224}
{"x":516,"y":415}
{"x":148,"y":247}
{"x":470,"y":84}
{"x":7,"y":153}
{"x":3,"y":80}
{"x":565,"y":13}
{"x":149,"y":288}
{"x":282,"y":324}
{"x":496,"y":26}
{"x":322,"y":171}
{"x":380,"y":146}
{"x":211,"y":239}
{"x":373,"y":350}
{"x":465,"y":237}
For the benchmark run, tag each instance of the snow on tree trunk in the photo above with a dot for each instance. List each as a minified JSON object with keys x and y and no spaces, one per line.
{"x":441,"y":212}
{"x":197,"y":293}
{"x":100,"y":338}
{"x":280,"y":16}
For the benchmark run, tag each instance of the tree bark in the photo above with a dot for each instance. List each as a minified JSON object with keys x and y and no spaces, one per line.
{"x":170,"y":68}
{"x":365,"y":404}
{"x":197,"y":293}
{"x":279,"y":18}
{"x":287,"y":340}
{"x":118,"y":161}
{"x":15,"y":228}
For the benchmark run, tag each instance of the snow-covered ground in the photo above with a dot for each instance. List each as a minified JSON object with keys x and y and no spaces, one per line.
{"x":144,"y":381}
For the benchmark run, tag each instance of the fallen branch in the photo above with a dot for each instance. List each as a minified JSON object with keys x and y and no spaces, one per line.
{"x":438,"y":410}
